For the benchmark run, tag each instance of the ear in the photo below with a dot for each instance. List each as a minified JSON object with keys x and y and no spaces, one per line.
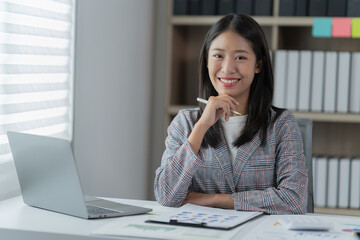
{"x":258,"y":67}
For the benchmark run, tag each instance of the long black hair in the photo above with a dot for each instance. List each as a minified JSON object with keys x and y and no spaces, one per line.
{"x":261,"y":90}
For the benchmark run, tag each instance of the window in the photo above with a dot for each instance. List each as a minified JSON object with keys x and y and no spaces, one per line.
{"x":36,"y":75}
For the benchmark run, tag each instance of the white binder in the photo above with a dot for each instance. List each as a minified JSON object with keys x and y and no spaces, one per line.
{"x":305,"y":81}
{"x":344,"y":183}
{"x":330,"y":81}
{"x":332,"y":186}
{"x":292,"y":80}
{"x":317,"y":81}
{"x":355,"y":184}
{"x":355,"y":83}
{"x":279,"y":78}
{"x":343,"y":83}
{"x":321,"y":182}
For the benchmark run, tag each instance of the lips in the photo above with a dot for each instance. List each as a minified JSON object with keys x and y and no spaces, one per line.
{"x":228,"y":82}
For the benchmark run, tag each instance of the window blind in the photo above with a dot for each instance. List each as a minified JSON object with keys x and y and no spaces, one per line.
{"x":36,"y":74}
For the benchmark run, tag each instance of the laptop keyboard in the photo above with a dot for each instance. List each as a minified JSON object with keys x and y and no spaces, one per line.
{"x":93,"y":210}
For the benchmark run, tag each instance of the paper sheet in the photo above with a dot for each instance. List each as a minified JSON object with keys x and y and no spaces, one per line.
{"x":135,"y":226}
{"x":212,"y":217}
{"x":271,"y":229}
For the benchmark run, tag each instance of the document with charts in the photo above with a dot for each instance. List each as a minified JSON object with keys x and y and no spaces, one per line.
{"x":135,"y":227}
{"x":198,"y":216}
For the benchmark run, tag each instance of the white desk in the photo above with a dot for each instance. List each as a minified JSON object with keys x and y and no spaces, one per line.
{"x":19,"y":221}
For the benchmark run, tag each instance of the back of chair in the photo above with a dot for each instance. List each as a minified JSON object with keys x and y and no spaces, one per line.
{"x":306,"y":126}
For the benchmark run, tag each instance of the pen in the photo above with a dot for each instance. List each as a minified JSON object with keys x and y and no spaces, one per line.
{"x":205,"y":102}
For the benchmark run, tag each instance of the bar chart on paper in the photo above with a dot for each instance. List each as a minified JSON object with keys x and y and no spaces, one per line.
{"x":199,"y":216}
{"x":149,"y":228}
{"x":194,"y":217}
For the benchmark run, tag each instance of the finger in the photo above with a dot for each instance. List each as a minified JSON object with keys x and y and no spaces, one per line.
{"x":235,"y":102}
{"x":232,"y":107}
{"x":230,"y":99}
{"x":222,"y":108}
{"x":220,"y":112}
{"x":226,"y":108}
{"x":223,"y":114}
{"x":226,"y":99}
{"x":213,"y":104}
{"x":224,"y":103}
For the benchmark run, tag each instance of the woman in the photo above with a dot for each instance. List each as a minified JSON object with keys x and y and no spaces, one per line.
{"x":252,"y":162}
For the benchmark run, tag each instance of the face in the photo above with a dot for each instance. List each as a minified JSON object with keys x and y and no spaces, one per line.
{"x":232,"y":65}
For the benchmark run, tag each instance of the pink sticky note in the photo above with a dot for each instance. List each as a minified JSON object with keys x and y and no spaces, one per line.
{"x":341,"y":27}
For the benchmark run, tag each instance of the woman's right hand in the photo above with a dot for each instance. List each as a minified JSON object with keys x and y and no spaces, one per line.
{"x":217,"y":106}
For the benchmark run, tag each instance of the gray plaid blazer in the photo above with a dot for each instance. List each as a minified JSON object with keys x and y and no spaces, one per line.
{"x":270,"y":178}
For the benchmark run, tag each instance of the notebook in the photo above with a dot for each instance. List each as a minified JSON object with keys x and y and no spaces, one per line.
{"x":49,"y":179}
{"x":198,"y":216}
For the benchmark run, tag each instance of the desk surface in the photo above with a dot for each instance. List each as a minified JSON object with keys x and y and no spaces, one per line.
{"x":19,"y":221}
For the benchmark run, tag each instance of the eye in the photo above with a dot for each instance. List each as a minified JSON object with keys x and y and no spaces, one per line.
{"x":217,"y":56}
{"x":240,"y":58}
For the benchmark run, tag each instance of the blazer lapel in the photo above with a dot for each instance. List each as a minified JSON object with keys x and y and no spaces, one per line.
{"x":243,"y":155}
{"x":223,"y":157}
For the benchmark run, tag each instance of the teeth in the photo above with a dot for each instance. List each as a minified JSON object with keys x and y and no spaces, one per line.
{"x":229,"y":81}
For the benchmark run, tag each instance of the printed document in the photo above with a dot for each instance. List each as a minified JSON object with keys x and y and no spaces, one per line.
{"x":135,"y":226}
{"x":199,"y":216}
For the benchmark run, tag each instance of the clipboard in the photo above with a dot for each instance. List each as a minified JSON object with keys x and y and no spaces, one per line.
{"x":191,"y":215}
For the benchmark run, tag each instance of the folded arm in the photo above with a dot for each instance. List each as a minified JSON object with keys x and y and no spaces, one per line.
{"x":179,"y":163}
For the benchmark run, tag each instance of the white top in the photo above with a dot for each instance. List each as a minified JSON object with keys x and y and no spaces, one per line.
{"x":232,"y":129}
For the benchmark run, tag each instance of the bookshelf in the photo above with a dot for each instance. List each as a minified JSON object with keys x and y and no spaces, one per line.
{"x":334,"y":134}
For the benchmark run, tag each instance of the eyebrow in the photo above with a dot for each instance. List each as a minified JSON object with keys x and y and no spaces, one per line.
{"x":222,"y":50}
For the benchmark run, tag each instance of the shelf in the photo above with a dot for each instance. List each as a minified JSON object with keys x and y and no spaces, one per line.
{"x":329,"y":117}
{"x":338,"y":211}
{"x":263,"y":21}
{"x":316,"y":117}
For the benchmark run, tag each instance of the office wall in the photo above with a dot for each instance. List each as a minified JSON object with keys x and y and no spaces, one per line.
{"x":112,"y":96}
{"x":158,"y":111}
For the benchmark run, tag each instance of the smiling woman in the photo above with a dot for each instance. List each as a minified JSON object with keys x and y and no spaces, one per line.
{"x":36,"y":75}
{"x":252,"y":162}
{"x":232,"y":65}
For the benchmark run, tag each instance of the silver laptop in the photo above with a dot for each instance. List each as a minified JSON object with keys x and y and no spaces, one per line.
{"x":49,"y":179}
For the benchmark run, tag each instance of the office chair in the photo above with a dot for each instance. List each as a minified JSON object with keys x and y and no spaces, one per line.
{"x":306,"y":126}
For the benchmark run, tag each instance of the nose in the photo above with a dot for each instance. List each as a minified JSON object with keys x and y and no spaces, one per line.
{"x":228,"y":65}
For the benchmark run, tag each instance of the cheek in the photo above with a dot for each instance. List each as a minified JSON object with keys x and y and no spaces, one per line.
{"x":213,"y":67}
{"x":252,"y":69}
{"x":211,"y":70}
